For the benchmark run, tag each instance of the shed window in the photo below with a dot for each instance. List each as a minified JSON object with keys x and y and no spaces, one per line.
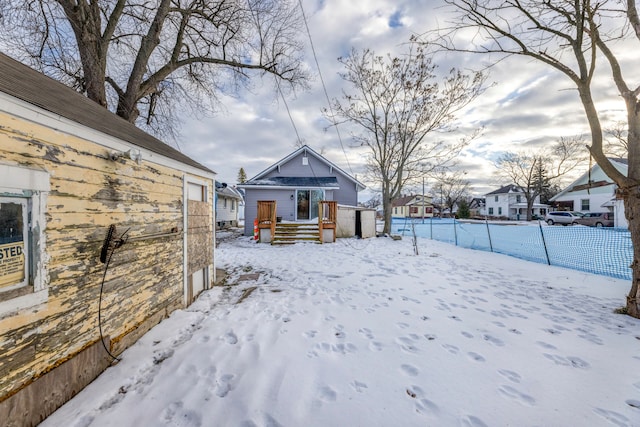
{"x":23,"y":201}
{"x":14,"y":243}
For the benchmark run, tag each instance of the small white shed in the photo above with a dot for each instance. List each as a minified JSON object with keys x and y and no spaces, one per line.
{"x":355,"y":221}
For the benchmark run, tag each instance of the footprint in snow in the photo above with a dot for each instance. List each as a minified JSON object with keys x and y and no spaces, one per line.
{"x":358,"y":386}
{"x":410,"y":370}
{"x":451,"y":348}
{"x":466,"y":334}
{"x":493,"y":340}
{"x":512,"y":393}
{"x":546,"y":345}
{"x":327,"y":394}
{"x":375,"y":346}
{"x":230,"y":337}
{"x":472,"y":421}
{"x":367,"y":333}
{"x":614,"y":417}
{"x":572,"y":361}
{"x":310,"y":334}
{"x":510,"y":375}
{"x":475,"y":357}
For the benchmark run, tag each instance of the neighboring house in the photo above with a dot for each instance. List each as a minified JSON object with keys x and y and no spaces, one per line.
{"x":69,"y":170}
{"x":477,"y":207}
{"x":228,"y":201}
{"x":414,"y":206}
{"x":510,"y":202}
{"x":297,"y":183}
{"x":594,"y":191}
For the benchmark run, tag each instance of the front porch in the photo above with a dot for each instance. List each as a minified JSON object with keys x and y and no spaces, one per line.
{"x":268,"y":229}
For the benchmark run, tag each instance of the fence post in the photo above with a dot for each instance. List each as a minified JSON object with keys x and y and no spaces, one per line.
{"x":431,"y":228}
{"x":544,"y":243}
{"x":455,"y":231}
{"x":486,"y":221}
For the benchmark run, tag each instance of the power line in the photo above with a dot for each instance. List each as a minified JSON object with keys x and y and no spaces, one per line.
{"x":324,"y":87}
{"x":295,"y":129}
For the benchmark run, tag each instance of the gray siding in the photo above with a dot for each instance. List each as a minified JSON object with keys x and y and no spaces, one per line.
{"x":347,"y":195}
{"x":285,"y":207}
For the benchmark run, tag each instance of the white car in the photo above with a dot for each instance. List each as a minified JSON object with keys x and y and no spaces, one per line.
{"x":562,"y":217}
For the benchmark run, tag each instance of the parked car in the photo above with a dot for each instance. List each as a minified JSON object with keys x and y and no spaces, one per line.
{"x":562,"y":217}
{"x":597,"y":219}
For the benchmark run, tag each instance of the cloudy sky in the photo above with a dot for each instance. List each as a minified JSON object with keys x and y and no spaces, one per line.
{"x":528,"y":105}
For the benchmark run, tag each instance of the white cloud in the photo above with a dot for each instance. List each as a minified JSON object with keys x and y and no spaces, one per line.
{"x":529,"y":104}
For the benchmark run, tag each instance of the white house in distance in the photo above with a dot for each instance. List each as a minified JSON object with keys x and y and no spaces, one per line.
{"x":510,"y":202}
{"x":414,"y":206}
{"x":594,"y":192}
{"x":228,"y":203}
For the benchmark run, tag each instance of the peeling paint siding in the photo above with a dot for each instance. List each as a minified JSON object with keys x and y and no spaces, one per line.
{"x":89,"y":191}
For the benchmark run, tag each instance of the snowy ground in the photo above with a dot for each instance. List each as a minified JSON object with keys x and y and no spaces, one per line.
{"x":365,"y":333}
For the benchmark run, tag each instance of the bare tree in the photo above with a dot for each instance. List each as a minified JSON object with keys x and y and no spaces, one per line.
{"x":616,"y":142}
{"x":400,"y":105}
{"x":573,"y":37}
{"x":533,"y":173}
{"x":450,"y":188}
{"x":146,"y":59}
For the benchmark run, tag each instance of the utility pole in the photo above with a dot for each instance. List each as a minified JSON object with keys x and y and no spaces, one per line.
{"x":423,"y":199}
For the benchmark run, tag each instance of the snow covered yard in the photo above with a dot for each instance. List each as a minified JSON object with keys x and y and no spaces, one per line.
{"x":365,"y":333}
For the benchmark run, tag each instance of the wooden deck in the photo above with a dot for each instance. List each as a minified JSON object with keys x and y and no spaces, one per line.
{"x":286,"y":233}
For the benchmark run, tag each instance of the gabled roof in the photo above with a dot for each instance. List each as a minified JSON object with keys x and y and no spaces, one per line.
{"x":303,"y":149}
{"x":618,"y":163}
{"x":409,"y":200}
{"x":511,"y":188}
{"x":222,"y":189}
{"x":296,"y":181}
{"x":33,"y":87}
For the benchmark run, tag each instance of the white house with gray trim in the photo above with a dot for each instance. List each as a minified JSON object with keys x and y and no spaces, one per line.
{"x":594,"y":191}
{"x":297,"y":183}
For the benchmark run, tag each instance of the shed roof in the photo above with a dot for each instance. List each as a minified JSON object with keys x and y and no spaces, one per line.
{"x":33,"y":87}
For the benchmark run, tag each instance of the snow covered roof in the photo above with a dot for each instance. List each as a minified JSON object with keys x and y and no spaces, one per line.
{"x":295,"y":181}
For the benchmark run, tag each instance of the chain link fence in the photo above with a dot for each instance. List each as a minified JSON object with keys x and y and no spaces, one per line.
{"x":606,"y":251}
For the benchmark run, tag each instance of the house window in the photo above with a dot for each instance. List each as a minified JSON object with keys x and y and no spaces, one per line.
{"x":233,"y":205}
{"x":496,"y":198}
{"x":224,"y":203}
{"x":413,"y":209}
{"x":395,"y":210}
{"x":23,"y":202}
{"x":490,"y":211}
{"x":518,"y":198}
{"x":499,"y":211}
{"x":584,"y":203}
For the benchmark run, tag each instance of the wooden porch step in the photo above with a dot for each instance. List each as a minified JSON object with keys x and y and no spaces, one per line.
{"x":289,"y":233}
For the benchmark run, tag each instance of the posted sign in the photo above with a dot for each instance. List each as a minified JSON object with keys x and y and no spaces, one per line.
{"x":11,"y":263}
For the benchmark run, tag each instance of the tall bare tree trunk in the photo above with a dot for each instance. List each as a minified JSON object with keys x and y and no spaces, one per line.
{"x":632,"y":212}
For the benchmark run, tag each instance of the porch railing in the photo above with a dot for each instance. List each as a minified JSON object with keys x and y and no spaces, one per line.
{"x":327,"y":217}
{"x":267,"y":215}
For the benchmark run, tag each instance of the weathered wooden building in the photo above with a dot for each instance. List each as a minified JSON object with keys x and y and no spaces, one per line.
{"x":69,"y":170}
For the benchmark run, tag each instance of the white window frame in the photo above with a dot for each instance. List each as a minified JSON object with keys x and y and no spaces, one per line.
{"x":33,"y":186}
